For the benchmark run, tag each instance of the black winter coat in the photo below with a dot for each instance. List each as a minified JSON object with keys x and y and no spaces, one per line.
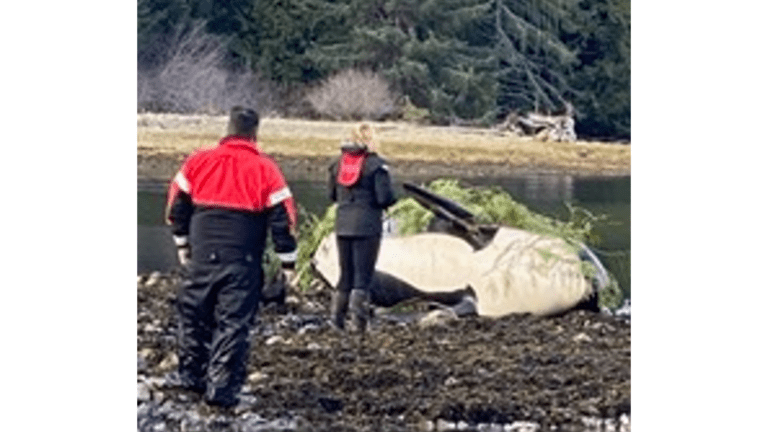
{"x":361,"y":206}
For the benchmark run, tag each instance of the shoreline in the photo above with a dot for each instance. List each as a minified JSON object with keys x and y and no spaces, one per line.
{"x":162,"y":167}
{"x":305,"y":148}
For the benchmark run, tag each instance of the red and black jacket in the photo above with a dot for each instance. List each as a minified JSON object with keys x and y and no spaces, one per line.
{"x":226,"y":197}
{"x":360,"y":183}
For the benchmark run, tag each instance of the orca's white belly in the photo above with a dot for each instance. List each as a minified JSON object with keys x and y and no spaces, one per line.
{"x":518,"y":272}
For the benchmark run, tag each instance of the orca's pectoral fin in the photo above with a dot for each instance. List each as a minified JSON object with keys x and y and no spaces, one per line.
{"x":432,"y":200}
{"x":462,"y":221}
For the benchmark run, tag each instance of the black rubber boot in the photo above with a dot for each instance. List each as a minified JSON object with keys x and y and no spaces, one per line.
{"x":339,"y":306}
{"x":358,"y":305}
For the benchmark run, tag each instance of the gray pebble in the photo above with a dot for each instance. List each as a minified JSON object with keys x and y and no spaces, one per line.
{"x":145,"y":415}
{"x":144,"y":409}
{"x":308,"y":328}
{"x":189,"y":425}
{"x":444,"y":425}
{"x":155,"y":382}
{"x":426,"y":426}
{"x":493,"y":427}
{"x":142,"y":392}
{"x":141,"y":363}
{"x":282,"y":424}
{"x":522,"y":426}
{"x":153,"y":279}
{"x":176,"y":416}
{"x":314,"y":346}
{"x":625,"y":423}
{"x":253,"y":419}
{"x":158,"y":396}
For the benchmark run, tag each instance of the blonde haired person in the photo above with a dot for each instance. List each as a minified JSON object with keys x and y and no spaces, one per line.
{"x":360,"y":183}
{"x":363,"y":133}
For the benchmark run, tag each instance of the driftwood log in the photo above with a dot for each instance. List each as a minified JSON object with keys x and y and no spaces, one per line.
{"x":541,"y":126}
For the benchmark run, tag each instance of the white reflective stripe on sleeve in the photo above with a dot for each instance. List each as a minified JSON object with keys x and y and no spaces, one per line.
{"x":385,"y":167}
{"x":182,"y":182}
{"x":180,"y":240}
{"x":279,"y":196}
{"x":289,"y":256}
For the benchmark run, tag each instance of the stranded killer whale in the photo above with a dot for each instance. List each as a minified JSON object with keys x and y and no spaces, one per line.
{"x":489,"y":270}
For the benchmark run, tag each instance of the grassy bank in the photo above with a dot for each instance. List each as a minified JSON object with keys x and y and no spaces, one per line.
{"x":167,"y":135}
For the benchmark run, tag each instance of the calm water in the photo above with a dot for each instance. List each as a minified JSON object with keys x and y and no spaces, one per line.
{"x":543,"y":193}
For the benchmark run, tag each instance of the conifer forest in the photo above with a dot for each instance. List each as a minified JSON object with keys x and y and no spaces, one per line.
{"x":445,"y":62}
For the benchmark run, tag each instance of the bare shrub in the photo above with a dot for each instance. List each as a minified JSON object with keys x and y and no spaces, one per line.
{"x":353,"y":95}
{"x":192,"y":78}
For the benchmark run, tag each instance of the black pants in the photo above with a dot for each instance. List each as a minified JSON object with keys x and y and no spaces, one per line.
{"x":357,"y":260}
{"x":216,"y":304}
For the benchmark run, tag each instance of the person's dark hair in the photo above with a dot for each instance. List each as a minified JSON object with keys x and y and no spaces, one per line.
{"x":243,"y":122}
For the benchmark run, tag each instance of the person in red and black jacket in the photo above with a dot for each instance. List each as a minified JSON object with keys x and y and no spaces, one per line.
{"x":360,"y":183}
{"x":221,"y":204}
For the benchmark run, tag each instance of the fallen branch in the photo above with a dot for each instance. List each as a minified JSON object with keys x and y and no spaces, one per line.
{"x":544,"y":127}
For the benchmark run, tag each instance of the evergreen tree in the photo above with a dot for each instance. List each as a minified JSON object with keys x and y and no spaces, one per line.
{"x":160,"y":21}
{"x":279,"y":33}
{"x":414,"y":44}
{"x":534,"y":64}
{"x":460,"y":59}
{"x":604,"y":76}
{"x":463,"y":59}
{"x":156,"y":20}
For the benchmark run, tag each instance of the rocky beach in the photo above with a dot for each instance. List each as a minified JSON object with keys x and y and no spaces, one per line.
{"x":417,"y":369}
